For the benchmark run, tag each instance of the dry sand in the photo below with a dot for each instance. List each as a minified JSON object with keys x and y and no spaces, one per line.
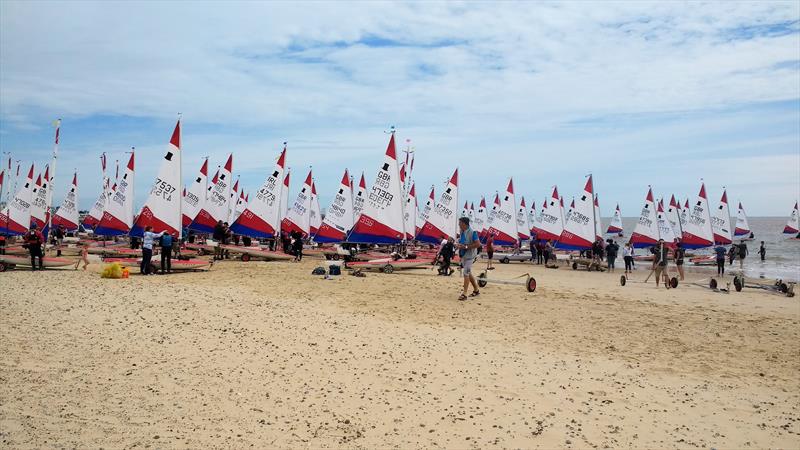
{"x":265,"y":355}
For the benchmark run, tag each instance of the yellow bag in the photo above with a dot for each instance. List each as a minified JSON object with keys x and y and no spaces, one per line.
{"x":113,"y":270}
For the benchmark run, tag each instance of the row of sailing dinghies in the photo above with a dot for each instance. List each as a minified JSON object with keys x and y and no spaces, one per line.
{"x":386,"y":214}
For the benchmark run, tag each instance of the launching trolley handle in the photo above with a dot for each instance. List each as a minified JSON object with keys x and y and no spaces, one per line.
{"x":529,"y":283}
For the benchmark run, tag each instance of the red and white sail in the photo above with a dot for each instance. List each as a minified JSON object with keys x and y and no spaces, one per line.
{"x":40,"y":214}
{"x":598,"y":222}
{"x":674,"y":216}
{"x":426,"y":210}
{"x":298,"y":218}
{"x":262,"y":215}
{"x":381,"y":220}
{"x":195,"y":198}
{"x":721,"y":221}
{"x":579,"y":227}
{"x":793,"y":224}
{"x":284,"y":208}
{"x":359,"y":197}
{"x":533,"y":219}
{"x":241,"y":204}
{"x":217,"y":199}
{"x":465,"y":210}
{"x":96,"y":213}
{"x":234,"y":200}
{"x":551,"y":222}
{"x":339,"y":218}
{"x":665,"y":230}
{"x":118,"y":215}
{"x":523,"y":223}
{"x":67,"y":214}
{"x":646,"y":233}
{"x":315,"y":215}
{"x":480,"y":218}
{"x":683,"y":214}
{"x":615,"y":227}
{"x":742,"y":225}
{"x":504,"y":225}
{"x":442,"y":221}
{"x":162,"y":209}
{"x":697,"y":232}
{"x":16,"y":217}
{"x":410,"y":213}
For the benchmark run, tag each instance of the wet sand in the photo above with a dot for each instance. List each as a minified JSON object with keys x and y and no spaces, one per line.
{"x":266,"y":355}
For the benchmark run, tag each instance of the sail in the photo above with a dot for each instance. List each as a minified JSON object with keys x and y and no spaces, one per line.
{"x":504,"y":226}
{"x":523,"y":224}
{"x":793,"y":225}
{"x":233,"y":202}
{"x":598,"y":222}
{"x":162,"y":209}
{"x":261,"y":217}
{"x":579,"y":228}
{"x":442,"y":221}
{"x":665,"y":230}
{"x":215,"y":207}
{"x":195,"y":198}
{"x":464,"y":210}
{"x":410,"y":213}
{"x":284,"y":207}
{"x":674,"y":216}
{"x":471,"y":213}
{"x":721,"y":221}
{"x":742,"y":225}
{"x":16,"y":217}
{"x":492,"y":214}
{"x":241,"y":204}
{"x":360,"y":196}
{"x":426,"y":210}
{"x":67,"y":214}
{"x":339,"y":216}
{"x":479,"y":219}
{"x":533,"y":220}
{"x":646,"y":233}
{"x":39,"y":211}
{"x":315,"y":214}
{"x":118,"y":215}
{"x":697,"y":232}
{"x":381,"y":220}
{"x":298,"y":218}
{"x":683,"y":214}
{"x":551,"y":222}
{"x":615,"y":227}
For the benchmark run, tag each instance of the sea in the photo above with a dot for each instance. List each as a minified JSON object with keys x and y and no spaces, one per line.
{"x":783,"y":254}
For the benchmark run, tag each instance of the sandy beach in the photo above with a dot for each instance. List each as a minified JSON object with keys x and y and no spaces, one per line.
{"x":266,"y":355}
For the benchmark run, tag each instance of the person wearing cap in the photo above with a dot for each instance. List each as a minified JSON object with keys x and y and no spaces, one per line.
{"x":468,"y":244}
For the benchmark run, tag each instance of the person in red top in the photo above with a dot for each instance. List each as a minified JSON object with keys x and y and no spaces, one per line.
{"x":34,"y":241}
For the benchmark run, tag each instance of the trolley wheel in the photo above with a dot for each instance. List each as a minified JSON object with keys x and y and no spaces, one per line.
{"x":482,"y":279}
{"x":335,"y":257}
{"x":3,"y":267}
{"x":738,"y":283}
{"x":388,"y":268}
{"x":622,"y":280}
{"x":505,"y":260}
{"x":712,"y":284}
{"x":531,"y":285}
{"x":245,"y":257}
{"x":574,"y":266}
{"x":673,"y":282}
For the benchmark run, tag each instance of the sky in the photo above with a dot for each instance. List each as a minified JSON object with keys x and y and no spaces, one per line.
{"x":662,"y":94}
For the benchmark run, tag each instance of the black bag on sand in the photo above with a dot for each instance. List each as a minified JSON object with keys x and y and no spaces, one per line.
{"x":318,"y":271}
{"x":333,"y":269}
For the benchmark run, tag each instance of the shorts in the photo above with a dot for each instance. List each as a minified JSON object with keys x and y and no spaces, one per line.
{"x":659,"y":270}
{"x":466,"y":267}
{"x":490,"y":253}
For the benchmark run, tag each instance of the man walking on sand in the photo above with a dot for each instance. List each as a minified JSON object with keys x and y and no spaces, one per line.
{"x":468,"y":245}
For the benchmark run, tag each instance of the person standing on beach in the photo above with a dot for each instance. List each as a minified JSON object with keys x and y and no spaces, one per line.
{"x":297,"y":245}
{"x":680,"y":253}
{"x":468,"y":244}
{"x":218,"y":236}
{"x":165,"y":243}
{"x":742,"y":252}
{"x":539,"y":251}
{"x":489,"y":251}
{"x":34,"y":239}
{"x":660,"y":262}
{"x":611,"y":254}
{"x":720,"y":252}
{"x":732,"y":254}
{"x":532,"y":245}
{"x":148,"y":238}
{"x":627,"y":255}
{"x":58,"y":235}
{"x":548,"y":252}
{"x":762,"y":251}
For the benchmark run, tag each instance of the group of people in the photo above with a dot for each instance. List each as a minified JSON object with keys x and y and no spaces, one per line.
{"x":736,"y":251}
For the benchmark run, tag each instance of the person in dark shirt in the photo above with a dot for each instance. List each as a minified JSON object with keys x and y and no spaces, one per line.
{"x":34,"y":240}
{"x":720,"y":252}
{"x":660,"y":260}
{"x":679,"y":253}
{"x":611,"y":254}
{"x":742,"y":252}
{"x":446,"y":256}
{"x":762,"y":251}
{"x":532,"y":245}
{"x":297,"y":245}
{"x":219,"y":238}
